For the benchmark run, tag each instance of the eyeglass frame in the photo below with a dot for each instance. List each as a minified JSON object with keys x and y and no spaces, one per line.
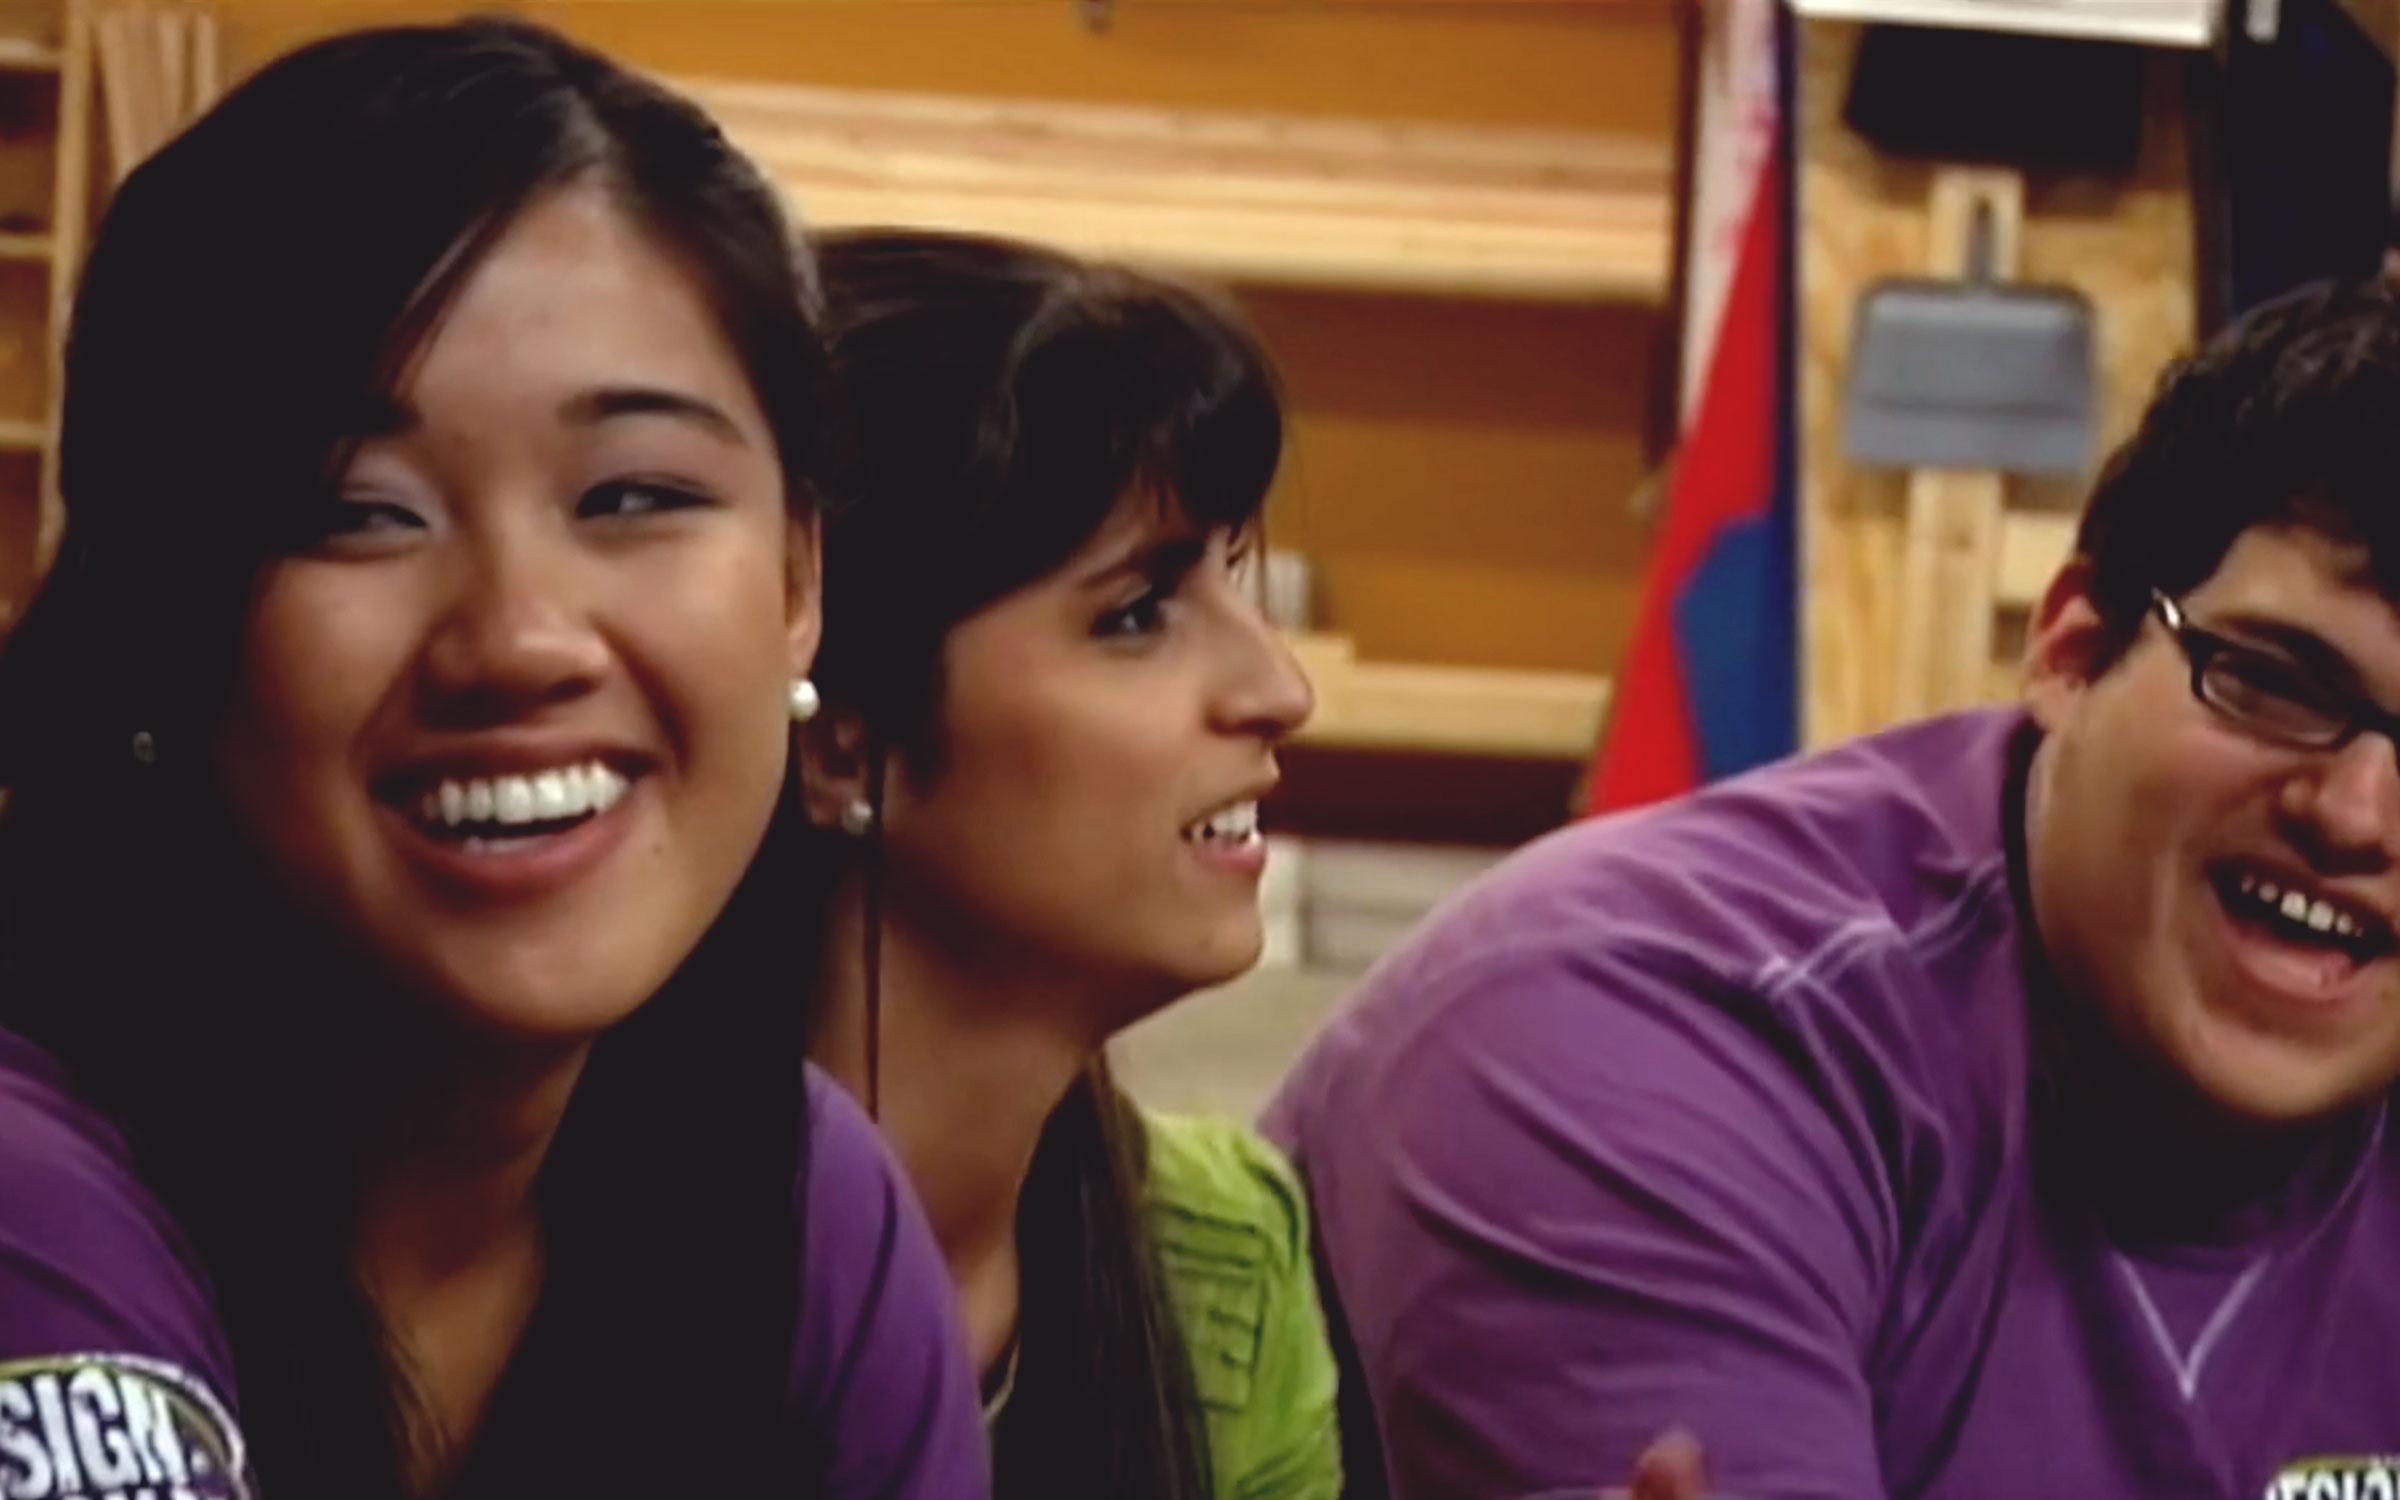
{"x":2202,"y":647}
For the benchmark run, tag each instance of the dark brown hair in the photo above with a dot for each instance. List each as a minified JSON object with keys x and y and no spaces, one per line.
{"x":1004,"y":399}
{"x":256,"y":287}
{"x":2291,"y":415}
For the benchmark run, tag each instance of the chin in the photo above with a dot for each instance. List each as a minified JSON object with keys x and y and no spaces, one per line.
{"x":1170,"y":976}
{"x":2273,"y":1083}
{"x":1229,"y":959}
{"x":552,"y":1007}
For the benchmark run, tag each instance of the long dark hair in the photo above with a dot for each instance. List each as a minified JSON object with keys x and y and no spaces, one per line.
{"x":255,"y":287}
{"x":1004,"y":400}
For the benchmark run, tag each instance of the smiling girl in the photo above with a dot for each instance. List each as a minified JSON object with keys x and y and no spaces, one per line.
{"x":1053,"y":705}
{"x":418,"y":1107}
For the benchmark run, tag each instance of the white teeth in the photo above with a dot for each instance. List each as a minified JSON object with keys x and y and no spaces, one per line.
{"x":512,"y":799}
{"x":2301,"y":910}
{"x":544,"y":797}
{"x":1231,"y":825}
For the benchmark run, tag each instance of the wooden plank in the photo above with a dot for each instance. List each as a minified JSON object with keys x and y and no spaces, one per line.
{"x":1950,"y":539}
{"x":26,"y":55}
{"x":122,"y":67}
{"x":71,"y":196}
{"x":1310,"y":201}
{"x":2126,"y":243}
{"x":207,"y":66}
{"x":25,"y":247}
{"x":2033,"y":545}
{"x":2157,"y":23}
{"x":1415,"y":708}
{"x":171,"y":44}
{"x":23,"y":434}
{"x":1950,"y":557}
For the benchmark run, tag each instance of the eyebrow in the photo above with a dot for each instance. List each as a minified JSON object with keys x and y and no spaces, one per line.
{"x":1157,"y":561}
{"x":391,"y":416}
{"x":607,"y":402}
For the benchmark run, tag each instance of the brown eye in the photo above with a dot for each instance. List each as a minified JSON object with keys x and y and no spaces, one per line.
{"x":351,"y":523}
{"x":1144,"y":616}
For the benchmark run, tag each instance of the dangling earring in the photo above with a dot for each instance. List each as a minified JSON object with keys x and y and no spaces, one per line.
{"x":858,"y":817}
{"x":804,"y":700}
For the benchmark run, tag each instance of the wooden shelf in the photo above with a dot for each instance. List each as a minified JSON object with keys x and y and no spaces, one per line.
{"x":25,"y":55}
{"x":1445,"y":710}
{"x":1284,"y":199}
{"x":26,"y":247}
{"x":2033,"y":546}
{"x":23,"y":435}
{"x":2156,"y":23}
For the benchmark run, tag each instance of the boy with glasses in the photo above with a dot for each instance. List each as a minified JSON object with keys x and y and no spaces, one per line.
{"x":1992,"y":1107}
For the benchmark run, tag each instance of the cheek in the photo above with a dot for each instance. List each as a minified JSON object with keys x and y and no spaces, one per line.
{"x":1091,"y":758}
{"x":322,"y":648}
{"x":714,"y":623}
{"x":1063,"y":798}
{"x":2141,"y":801}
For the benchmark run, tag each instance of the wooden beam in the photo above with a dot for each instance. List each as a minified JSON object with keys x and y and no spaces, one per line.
{"x":1270,"y":198}
{"x":2033,"y":545}
{"x":1435,"y":710}
{"x":70,"y":211}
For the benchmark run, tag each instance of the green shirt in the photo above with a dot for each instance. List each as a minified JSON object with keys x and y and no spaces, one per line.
{"x":1231,"y":1225}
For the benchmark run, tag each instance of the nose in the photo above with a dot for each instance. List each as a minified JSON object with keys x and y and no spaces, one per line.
{"x":2348,"y":810}
{"x":1264,"y":691}
{"x":516,"y":632}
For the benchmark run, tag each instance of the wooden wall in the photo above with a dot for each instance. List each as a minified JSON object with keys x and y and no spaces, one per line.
{"x":2127,"y":244}
{"x":1461,"y":469}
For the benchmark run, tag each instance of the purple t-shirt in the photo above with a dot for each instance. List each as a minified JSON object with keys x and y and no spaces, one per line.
{"x":114,"y":1377}
{"x":116,"y":1384}
{"x":1726,"y":1115}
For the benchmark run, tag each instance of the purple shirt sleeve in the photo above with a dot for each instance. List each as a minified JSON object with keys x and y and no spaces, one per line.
{"x":880,"y":1376}
{"x":1568,"y":1204}
{"x":114,"y":1373}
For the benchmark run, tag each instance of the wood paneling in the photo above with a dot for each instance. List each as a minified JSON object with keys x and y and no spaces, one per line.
{"x":2126,"y":244}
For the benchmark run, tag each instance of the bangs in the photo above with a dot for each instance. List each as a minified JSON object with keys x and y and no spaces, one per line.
{"x":1121,"y":387}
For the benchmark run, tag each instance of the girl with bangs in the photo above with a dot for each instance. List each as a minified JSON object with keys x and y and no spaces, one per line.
{"x":401,"y":1093}
{"x":1052,"y":705}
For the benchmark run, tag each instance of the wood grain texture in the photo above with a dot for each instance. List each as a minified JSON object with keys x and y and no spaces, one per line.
{"x":70,"y":226}
{"x":2125,"y":243}
{"x":1357,"y":203}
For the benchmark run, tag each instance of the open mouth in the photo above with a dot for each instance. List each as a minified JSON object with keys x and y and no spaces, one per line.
{"x":2295,"y":911}
{"x":1233,"y":826}
{"x":494,"y":814}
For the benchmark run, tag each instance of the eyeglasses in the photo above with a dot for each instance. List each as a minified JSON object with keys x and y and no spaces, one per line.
{"x":2267,"y":693}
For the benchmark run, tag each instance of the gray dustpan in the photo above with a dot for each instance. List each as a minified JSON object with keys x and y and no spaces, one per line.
{"x":1971,"y":374}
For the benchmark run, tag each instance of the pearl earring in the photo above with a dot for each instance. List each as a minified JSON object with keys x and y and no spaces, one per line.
{"x":804,"y":700}
{"x":858,"y":817}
